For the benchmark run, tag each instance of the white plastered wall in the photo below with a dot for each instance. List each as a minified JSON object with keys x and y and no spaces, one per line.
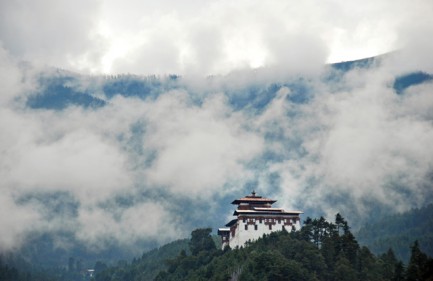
{"x":242,"y":236}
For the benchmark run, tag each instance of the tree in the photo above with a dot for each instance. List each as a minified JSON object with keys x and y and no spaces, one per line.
{"x":201,"y":240}
{"x":306,"y":232}
{"x":420,"y":267}
{"x":99,"y":266}
{"x":350,"y":247}
{"x":344,"y":270}
{"x":399,"y":272}
{"x":367,"y":267}
{"x":331,"y":255}
{"x":341,"y":223}
{"x":388,"y":264}
{"x":328,"y":252}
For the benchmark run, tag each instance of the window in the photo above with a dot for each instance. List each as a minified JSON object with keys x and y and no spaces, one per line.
{"x":270,"y":227}
{"x":255,"y":227}
{"x":246,"y":227}
{"x":283,"y":228}
{"x":260,"y":220}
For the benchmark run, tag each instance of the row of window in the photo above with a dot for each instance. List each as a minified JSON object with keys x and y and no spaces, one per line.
{"x":260,"y":220}
{"x":270,"y":227}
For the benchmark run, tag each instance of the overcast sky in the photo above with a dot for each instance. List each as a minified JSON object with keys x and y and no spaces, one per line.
{"x":189,"y":151}
{"x":206,"y":37}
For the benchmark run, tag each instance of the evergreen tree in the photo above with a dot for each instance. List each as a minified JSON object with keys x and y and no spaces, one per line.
{"x":399,"y":272}
{"x":420,"y":267}
{"x":320,"y":251}
{"x":344,"y":270}
{"x":368,"y":269}
{"x":388,"y":264}
{"x":201,"y":240}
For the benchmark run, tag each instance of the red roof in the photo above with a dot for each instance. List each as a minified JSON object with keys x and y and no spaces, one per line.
{"x":271,"y":211}
{"x":253,"y":198}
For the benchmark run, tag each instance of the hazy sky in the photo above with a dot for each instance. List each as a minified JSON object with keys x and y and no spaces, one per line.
{"x":177,"y":160}
{"x":206,"y":37}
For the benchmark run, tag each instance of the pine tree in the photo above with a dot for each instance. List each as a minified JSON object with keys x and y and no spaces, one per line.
{"x":420,"y":267}
{"x":201,"y":241}
{"x":344,"y":270}
{"x":399,"y":272}
{"x":388,"y":264}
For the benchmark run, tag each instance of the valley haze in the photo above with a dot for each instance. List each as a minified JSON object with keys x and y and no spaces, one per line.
{"x":136,"y":124}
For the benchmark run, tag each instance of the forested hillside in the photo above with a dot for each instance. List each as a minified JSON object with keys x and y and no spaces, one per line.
{"x":399,"y":231}
{"x":320,"y":251}
{"x":216,"y":103}
{"x":146,"y":267}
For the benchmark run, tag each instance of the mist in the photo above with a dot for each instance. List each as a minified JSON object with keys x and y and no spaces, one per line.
{"x":255,"y":106}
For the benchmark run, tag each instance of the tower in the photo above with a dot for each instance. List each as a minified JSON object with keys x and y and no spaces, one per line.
{"x":255,"y":216}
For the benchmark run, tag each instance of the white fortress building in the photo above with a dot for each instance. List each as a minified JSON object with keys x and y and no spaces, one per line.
{"x":255,"y":217}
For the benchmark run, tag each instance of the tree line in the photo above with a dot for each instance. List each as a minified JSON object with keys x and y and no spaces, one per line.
{"x":321,"y":250}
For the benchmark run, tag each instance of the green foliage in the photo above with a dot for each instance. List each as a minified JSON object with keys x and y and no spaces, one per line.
{"x":344,"y":271}
{"x":420,"y":267}
{"x":13,"y":268}
{"x":399,"y":231}
{"x":145,"y":268}
{"x":8,"y":273}
{"x":201,"y":240}
{"x":388,"y":264}
{"x":321,"y":250}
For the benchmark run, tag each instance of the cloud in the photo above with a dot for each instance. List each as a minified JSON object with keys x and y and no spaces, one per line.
{"x":11,"y":78}
{"x":199,"y":149}
{"x":141,"y":151}
{"x":16,"y":221}
{"x":207,"y":37}
{"x":78,"y":162}
{"x":97,"y":172}
{"x":327,"y":145}
{"x":151,"y":221}
{"x":51,"y":32}
{"x":364,"y":143}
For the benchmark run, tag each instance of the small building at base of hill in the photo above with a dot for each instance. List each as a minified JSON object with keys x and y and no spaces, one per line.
{"x":255,"y":217}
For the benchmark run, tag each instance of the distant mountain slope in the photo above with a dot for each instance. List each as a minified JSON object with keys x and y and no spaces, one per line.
{"x":349,"y":65}
{"x":149,"y":265}
{"x":60,"y":90}
{"x":399,"y":231}
{"x":401,"y":83}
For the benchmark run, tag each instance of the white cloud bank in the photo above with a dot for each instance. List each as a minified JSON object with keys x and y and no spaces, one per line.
{"x":364,"y":143}
{"x":207,"y":37}
{"x":356,"y":139}
{"x":92,"y":156}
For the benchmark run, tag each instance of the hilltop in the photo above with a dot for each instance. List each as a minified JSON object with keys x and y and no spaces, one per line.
{"x":319,"y":251}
